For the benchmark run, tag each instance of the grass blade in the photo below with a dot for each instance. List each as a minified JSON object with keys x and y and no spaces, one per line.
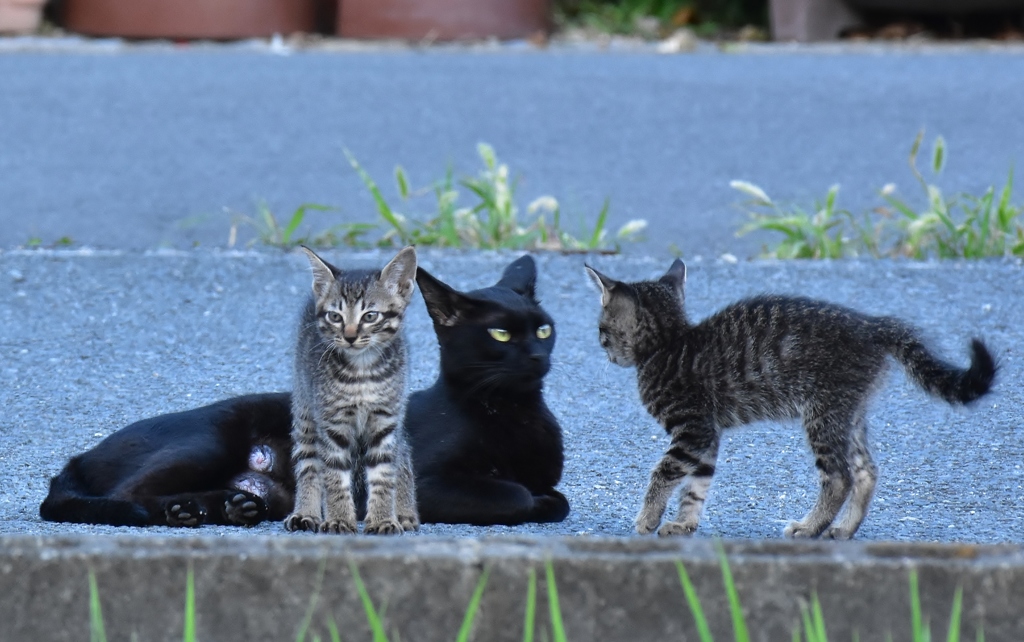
{"x":531,"y":607}
{"x":938,"y":154}
{"x":557,"y":627}
{"x":703,"y":631}
{"x":602,"y":217}
{"x":382,"y":205}
{"x":97,"y":632}
{"x":953,"y":635}
{"x":474,"y":605}
{"x":300,"y":635}
{"x":819,"y":618}
{"x":739,"y":625}
{"x":189,"y":634}
{"x":916,"y":626}
{"x":332,"y":629}
{"x":372,"y":617}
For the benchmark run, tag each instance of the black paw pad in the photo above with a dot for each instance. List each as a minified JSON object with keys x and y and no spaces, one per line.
{"x":184,"y":513}
{"x":245,"y":508}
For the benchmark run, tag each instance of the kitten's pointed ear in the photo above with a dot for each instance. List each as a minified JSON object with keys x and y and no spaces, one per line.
{"x":445,"y":305}
{"x":398,"y":275}
{"x":675,"y":277}
{"x":605,"y":284}
{"x":324,"y":274}
{"x":521,"y":276}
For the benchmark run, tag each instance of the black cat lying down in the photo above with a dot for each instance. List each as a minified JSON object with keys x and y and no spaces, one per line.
{"x":226,"y":463}
{"x":486,"y":449}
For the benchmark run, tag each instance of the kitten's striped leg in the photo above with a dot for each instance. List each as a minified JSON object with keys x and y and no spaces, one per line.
{"x":865,"y":475}
{"x":308,"y":511}
{"x":336,"y":445}
{"x":382,"y":474}
{"x":690,"y":457}
{"x":405,"y":494}
{"x":828,"y":433}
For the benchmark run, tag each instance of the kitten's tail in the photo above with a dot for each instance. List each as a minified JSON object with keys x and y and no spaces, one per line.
{"x":937,"y":377}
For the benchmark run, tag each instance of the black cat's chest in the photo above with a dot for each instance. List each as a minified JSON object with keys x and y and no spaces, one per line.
{"x":506,"y":438}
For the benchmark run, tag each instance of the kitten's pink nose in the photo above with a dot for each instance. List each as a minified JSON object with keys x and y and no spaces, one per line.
{"x":350,"y":333}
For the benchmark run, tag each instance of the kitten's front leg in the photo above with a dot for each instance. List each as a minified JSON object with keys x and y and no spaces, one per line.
{"x":336,"y":443}
{"x":691,"y":458}
{"x":405,"y":494}
{"x":308,"y":511}
{"x":383,"y":458}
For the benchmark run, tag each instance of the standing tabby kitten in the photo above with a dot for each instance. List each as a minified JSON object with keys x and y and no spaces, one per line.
{"x":349,"y":400}
{"x":768,"y":357}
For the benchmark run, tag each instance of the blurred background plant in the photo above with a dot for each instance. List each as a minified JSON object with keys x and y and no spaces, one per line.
{"x":492,"y":220}
{"x":963,"y":226}
{"x":658,"y":18}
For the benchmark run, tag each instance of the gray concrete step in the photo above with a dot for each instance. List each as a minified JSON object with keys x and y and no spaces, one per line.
{"x":610,"y":589}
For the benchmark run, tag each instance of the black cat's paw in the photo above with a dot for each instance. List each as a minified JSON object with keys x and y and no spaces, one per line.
{"x":245,"y":509}
{"x":552,"y":506}
{"x":298,"y":522}
{"x":339,"y":527}
{"x":386,"y":526}
{"x":184,"y":513}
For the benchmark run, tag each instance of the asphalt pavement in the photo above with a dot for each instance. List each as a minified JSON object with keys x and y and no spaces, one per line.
{"x":92,"y":340}
{"x":128,"y":147}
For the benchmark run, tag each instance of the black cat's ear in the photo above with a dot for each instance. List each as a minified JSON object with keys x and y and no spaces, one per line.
{"x":605,"y":285}
{"x":445,"y":305}
{"x":675,"y":277}
{"x":398,"y":275}
{"x":324,"y":274}
{"x":521,"y":276}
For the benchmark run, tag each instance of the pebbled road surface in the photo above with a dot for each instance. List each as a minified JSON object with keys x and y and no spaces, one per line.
{"x":141,"y":148}
{"x":93,"y":340}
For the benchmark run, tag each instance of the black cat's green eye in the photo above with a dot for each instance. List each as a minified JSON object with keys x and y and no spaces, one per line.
{"x":371,"y":317}
{"x":499,"y":335}
{"x":333,"y":317}
{"x":544,"y":331}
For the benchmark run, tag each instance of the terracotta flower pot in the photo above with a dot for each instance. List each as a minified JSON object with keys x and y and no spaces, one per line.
{"x":939,"y":6}
{"x":20,"y":16}
{"x":442,"y":19}
{"x":189,"y":19}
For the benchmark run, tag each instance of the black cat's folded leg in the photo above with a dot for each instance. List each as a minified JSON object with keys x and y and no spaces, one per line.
{"x":482,"y":501}
{"x":549,"y":507}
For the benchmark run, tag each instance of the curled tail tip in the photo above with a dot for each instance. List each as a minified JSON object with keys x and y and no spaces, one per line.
{"x":977,"y":380}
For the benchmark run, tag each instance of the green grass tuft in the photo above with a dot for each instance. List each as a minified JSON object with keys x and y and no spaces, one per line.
{"x":492,"y":221}
{"x":964,"y":226}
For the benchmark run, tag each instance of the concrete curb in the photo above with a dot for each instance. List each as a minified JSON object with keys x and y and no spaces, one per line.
{"x":259,"y":588}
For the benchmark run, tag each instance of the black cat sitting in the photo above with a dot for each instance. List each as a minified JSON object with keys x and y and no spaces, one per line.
{"x":226,"y":463}
{"x":485,"y":447}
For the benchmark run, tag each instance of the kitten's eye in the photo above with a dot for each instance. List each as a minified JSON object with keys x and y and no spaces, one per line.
{"x":544,"y":331}
{"x":371,"y":317}
{"x":333,"y":317}
{"x":499,"y":335}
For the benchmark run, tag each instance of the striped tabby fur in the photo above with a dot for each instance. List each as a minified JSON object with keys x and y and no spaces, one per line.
{"x":769,"y":357}
{"x":349,"y":402}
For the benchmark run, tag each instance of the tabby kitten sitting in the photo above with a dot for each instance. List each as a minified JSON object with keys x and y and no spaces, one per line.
{"x":349,"y":400}
{"x":768,"y":357}
{"x":485,"y":447}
